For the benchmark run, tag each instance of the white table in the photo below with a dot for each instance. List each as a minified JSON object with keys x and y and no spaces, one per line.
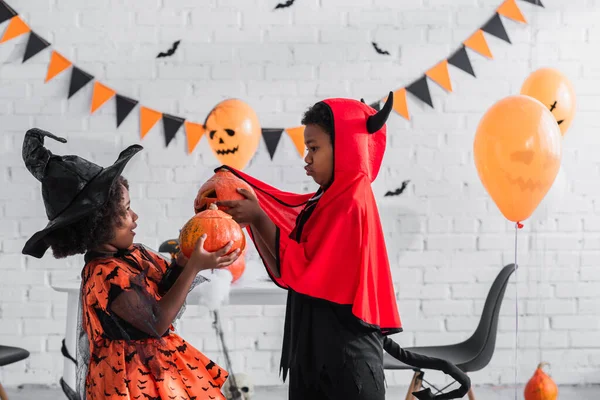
{"x":243,"y":292}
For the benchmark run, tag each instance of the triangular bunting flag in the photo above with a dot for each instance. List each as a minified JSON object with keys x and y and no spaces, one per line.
{"x":57,"y":65}
{"x":35,"y":44}
{"x":421,"y":90}
{"x":193,"y":133}
{"x":124,"y":106}
{"x":400,"y":104}
{"x":511,"y":10}
{"x":16,"y":27}
{"x":376,"y":105}
{"x":6,"y":12}
{"x":478,"y":43}
{"x":148,"y":118}
{"x":271,"y":138}
{"x":495,"y":27}
{"x":536,"y":2}
{"x":171,"y":125}
{"x":297,"y":136}
{"x":440,"y":75}
{"x":461,"y":60}
{"x":101,"y":95}
{"x":79,"y":79}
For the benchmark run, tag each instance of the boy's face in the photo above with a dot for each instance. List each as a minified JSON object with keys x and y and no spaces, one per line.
{"x":124,"y":233}
{"x":319,"y":158}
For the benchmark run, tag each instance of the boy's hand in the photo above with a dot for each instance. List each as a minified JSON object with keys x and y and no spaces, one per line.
{"x":245,"y":211}
{"x":202,"y":260}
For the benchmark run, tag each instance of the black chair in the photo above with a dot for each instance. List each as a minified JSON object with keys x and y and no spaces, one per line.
{"x":9,"y":355}
{"x":471,"y":355}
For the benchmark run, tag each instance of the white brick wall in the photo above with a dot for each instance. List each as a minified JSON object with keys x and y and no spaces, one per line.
{"x":446,"y":239}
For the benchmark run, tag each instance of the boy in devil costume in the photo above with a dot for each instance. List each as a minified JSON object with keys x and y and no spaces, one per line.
{"x":328,"y":250}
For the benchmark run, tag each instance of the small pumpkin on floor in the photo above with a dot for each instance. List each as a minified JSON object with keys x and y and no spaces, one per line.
{"x":219,"y":227}
{"x":541,"y":386}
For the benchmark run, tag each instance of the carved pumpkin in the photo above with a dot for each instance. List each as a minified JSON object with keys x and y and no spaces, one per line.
{"x":219,"y":227}
{"x":233,"y":132}
{"x":555,"y":91}
{"x":541,"y":386}
{"x":221,"y":186}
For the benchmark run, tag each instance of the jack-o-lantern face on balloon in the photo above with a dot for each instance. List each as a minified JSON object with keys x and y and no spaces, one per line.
{"x":233,"y":132}
{"x":555,"y":91}
{"x":517,"y":153}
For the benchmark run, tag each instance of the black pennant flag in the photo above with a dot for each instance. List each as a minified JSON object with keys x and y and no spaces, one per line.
{"x":171,"y":125}
{"x":376,"y":105}
{"x":495,"y":27}
{"x":124,"y":106}
{"x":79,"y":79}
{"x":420,"y":89}
{"x":35,"y":44}
{"x":536,"y":2}
{"x":6,"y":12}
{"x":460,"y":60}
{"x":271,"y":137}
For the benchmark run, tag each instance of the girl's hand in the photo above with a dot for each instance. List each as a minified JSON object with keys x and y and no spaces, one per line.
{"x":202,"y":260}
{"x":245,"y":211}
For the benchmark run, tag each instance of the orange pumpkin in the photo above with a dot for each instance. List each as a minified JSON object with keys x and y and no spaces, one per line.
{"x":219,"y":227}
{"x":233,"y":132}
{"x":541,"y":386}
{"x":221,"y":186}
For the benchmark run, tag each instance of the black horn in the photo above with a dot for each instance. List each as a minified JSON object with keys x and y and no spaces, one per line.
{"x":376,"y":121}
{"x":362,"y":100}
{"x":35,"y":155}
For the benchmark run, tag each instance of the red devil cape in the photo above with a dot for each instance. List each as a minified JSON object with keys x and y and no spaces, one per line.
{"x":342,"y":255}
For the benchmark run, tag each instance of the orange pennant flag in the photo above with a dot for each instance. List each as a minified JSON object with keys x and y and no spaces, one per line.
{"x":101,"y":95}
{"x":400,"y":105}
{"x":511,"y":10}
{"x":193,"y":133}
{"x":297,"y":136}
{"x":16,"y":27}
{"x":148,"y":118}
{"x":57,"y":65}
{"x":478,"y":43}
{"x":440,"y":75}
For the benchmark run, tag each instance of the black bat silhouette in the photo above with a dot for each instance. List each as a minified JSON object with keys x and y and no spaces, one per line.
{"x":107,"y":394}
{"x":119,"y":393}
{"x":218,"y":374}
{"x":142,"y":382}
{"x":129,"y":357}
{"x":142,"y":372}
{"x":210,"y":365}
{"x":113,"y":274}
{"x":211,"y":397}
{"x":182,"y":348}
{"x":173,"y":397}
{"x":127,"y":381}
{"x":212,"y":384}
{"x":150,"y":397}
{"x":398,"y":191}
{"x":190,"y":367}
{"x":117,"y":371}
{"x":287,"y":4}
{"x":379,"y":50}
{"x":171,"y":51}
{"x":171,"y":363}
{"x":205,"y":389}
{"x":97,"y":359}
{"x":199,"y":377}
{"x":167,"y":353}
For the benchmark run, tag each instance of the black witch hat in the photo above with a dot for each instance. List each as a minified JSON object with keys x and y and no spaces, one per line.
{"x":72,"y":187}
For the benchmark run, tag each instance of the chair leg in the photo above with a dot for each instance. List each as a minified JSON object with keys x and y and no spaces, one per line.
{"x":418,"y":382}
{"x":471,"y":394}
{"x":3,"y":395}
{"x":411,"y":389}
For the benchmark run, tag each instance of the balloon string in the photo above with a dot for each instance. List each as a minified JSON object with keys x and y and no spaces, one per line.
{"x":518,"y":226}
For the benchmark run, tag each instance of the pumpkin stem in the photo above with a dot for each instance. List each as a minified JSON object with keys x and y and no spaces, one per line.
{"x":213,"y":207}
{"x":542,"y":365}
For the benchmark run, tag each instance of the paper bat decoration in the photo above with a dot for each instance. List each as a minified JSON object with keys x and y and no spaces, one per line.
{"x":287,"y":4}
{"x":378,"y":50}
{"x":398,"y":191}
{"x":171,"y":51}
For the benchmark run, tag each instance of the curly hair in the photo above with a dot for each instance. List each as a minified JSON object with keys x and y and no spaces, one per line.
{"x":92,"y":230}
{"x":319,"y":114}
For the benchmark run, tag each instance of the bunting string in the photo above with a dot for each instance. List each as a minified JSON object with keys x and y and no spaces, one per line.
{"x":419,"y":88}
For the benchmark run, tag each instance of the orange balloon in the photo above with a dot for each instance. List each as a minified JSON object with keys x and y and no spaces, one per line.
{"x":517,"y":152}
{"x":555,"y":91}
{"x":233,"y":132}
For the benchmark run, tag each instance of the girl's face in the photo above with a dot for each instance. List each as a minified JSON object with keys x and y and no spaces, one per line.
{"x":124,"y":232}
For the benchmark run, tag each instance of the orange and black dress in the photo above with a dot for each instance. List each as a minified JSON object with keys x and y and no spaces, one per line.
{"x":126,"y":362}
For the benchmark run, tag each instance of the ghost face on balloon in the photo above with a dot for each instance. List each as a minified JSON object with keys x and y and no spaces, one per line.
{"x":555,"y":91}
{"x":233,"y":132}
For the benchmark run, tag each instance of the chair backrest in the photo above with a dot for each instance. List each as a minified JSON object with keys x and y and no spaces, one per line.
{"x":483,"y":340}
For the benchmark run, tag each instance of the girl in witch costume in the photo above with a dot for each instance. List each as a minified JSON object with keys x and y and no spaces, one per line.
{"x":328,"y":250}
{"x":130,"y":296}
